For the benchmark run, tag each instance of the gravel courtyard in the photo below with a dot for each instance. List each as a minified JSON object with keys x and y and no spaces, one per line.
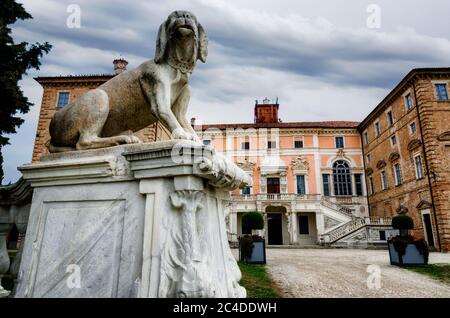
{"x":343,"y":273}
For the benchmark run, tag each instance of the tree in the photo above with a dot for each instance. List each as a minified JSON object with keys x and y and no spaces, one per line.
{"x":15,"y":60}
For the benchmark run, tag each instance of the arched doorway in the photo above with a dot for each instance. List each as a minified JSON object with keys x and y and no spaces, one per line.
{"x":275,"y":224}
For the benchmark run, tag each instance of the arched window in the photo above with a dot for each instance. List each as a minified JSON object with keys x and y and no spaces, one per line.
{"x":342,"y":177}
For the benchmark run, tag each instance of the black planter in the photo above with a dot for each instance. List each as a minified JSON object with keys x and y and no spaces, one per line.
{"x":258,"y":253}
{"x":412,"y":256}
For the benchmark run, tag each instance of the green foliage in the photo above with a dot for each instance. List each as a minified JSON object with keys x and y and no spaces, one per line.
{"x":253,"y":221}
{"x":246,"y":247}
{"x":437,"y":271}
{"x":257,"y":282}
{"x":15,"y":60}
{"x":402,"y":222}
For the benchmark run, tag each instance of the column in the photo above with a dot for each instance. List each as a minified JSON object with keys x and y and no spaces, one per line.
{"x":294,"y":227}
{"x":320,"y":226}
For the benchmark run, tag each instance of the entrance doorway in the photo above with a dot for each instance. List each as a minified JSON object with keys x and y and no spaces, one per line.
{"x":428,"y":229}
{"x":274,"y":229}
{"x":273,"y":185}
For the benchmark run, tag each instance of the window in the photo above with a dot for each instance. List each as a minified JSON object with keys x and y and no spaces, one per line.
{"x":342,"y":178}
{"x":245,"y":145}
{"x":377,"y":129}
{"x":397,"y":174}
{"x":412,"y":128}
{"x":390,"y":118}
{"x":383,"y":180}
{"x":393,"y":140}
{"x":63,"y":99}
{"x":326,"y":184}
{"x":301,"y":186}
{"x":418,"y":164}
{"x":207,"y":142}
{"x":369,"y":158}
{"x":370,"y":185}
{"x":339,"y":142}
{"x":441,"y":91}
{"x":273,"y":185}
{"x":358,"y":184}
{"x":271,"y":144}
{"x":303,"y":222}
{"x":366,"y":137}
{"x":298,"y":143}
{"x":382,"y":235}
{"x":408,"y":102}
{"x":246,"y":191}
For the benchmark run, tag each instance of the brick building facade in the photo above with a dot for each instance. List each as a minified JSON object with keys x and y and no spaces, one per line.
{"x":60,"y":90}
{"x":406,"y":147}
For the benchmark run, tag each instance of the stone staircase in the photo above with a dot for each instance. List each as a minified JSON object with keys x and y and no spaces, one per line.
{"x":350,"y":227}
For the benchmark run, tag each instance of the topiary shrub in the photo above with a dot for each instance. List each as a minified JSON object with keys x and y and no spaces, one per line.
{"x":253,"y":221}
{"x":403,"y":222}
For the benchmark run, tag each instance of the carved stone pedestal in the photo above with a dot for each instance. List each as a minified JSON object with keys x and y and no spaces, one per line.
{"x":142,"y":220}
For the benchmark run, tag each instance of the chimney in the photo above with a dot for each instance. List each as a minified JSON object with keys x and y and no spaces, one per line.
{"x":120,"y":65}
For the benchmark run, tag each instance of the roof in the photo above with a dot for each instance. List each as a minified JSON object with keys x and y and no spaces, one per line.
{"x":313,"y":124}
{"x":73,"y":78}
{"x":400,"y":86}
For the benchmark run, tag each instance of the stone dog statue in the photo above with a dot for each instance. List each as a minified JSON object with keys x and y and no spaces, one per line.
{"x":156,"y":90}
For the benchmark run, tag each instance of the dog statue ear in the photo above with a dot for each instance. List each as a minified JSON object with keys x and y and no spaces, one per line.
{"x":161,"y":42}
{"x":202,"y":44}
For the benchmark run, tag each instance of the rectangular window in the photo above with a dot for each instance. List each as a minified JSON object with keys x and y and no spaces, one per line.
{"x":366,"y":137}
{"x":393,"y":140}
{"x":207,"y":142}
{"x":298,"y":143}
{"x":408,"y":102}
{"x":339,"y":142}
{"x":369,"y":157}
{"x":377,"y":129}
{"x":397,"y":174}
{"x":63,"y":99}
{"x":303,"y":222}
{"x":390,"y":118}
{"x":412,"y":128}
{"x":271,"y":144}
{"x":246,"y":191}
{"x":301,"y":186}
{"x":418,"y":164}
{"x":358,"y":184}
{"x":245,"y":145}
{"x":383,"y":180}
{"x":441,"y":91}
{"x":326,"y":184}
{"x":371,"y":185}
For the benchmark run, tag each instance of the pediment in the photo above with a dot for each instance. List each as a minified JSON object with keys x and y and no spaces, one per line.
{"x":414,"y":144}
{"x":444,"y":136}
{"x":423,"y":204}
{"x":394,"y":156}
{"x":369,"y":171}
{"x":381,"y":164}
{"x":246,"y":165}
{"x":299,"y":163}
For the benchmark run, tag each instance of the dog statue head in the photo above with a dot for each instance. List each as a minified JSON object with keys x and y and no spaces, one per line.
{"x":181,"y":41}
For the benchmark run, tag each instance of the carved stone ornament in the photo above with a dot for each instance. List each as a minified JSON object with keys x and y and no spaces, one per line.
{"x":329,"y":222}
{"x":414,"y":144}
{"x":183,"y":260}
{"x":299,"y":163}
{"x":340,"y":153}
{"x":369,"y":171}
{"x":394,"y":156}
{"x":246,"y":165}
{"x":381,"y":164}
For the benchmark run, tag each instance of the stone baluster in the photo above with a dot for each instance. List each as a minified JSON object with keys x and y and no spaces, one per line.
{"x":4,"y":257}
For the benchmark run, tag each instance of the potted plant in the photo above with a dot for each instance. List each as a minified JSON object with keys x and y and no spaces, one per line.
{"x":404,"y":250}
{"x":252,"y":248}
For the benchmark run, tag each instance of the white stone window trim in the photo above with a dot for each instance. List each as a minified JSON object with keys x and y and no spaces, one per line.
{"x":298,"y":138}
{"x":394,"y":136}
{"x":387,"y":117}
{"x":368,"y":158}
{"x":377,"y":132}
{"x":436,"y":82}
{"x":366,"y":137}
{"x":405,"y":95}
{"x":57,"y":97}
{"x":371,"y":187}
{"x":422,"y":213}
{"x":301,"y":173}
{"x":410,"y":129}
{"x":343,"y":141}
{"x":397,"y":182}
{"x":415,"y":165}
{"x":384,"y":182}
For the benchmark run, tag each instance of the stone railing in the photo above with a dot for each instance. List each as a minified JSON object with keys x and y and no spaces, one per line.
{"x":336,"y":207}
{"x":351,"y":226}
{"x":276,"y":197}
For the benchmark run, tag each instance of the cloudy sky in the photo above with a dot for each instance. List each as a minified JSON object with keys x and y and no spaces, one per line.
{"x":320,"y":58}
